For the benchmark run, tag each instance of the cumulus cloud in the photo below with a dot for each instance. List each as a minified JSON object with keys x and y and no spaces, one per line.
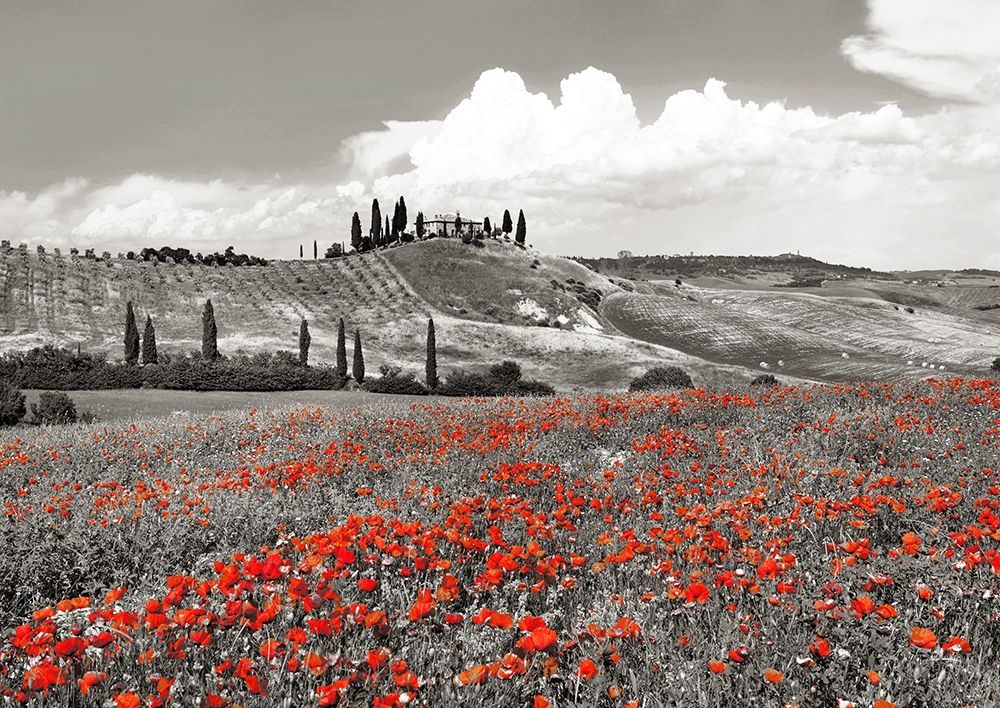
{"x":949,"y":49}
{"x":711,"y":174}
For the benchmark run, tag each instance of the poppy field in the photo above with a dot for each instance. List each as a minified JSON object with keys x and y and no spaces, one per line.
{"x":814,"y":546}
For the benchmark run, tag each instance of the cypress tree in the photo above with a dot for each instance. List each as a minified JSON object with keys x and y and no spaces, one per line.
{"x":376,"y":228}
{"x":359,"y":359}
{"x":149,"y":355}
{"x":420,"y":224}
{"x":387,"y":231}
{"x":341,"y":351}
{"x":304,"y":341}
{"x":315,"y":250}
{"x":131,"y":336}
{"x":521,"y":229}
{"x":356,"y":232}
{"x":300,"y":250}
{"x":487,"y":227}
{"x":402,"y":215}
{"x":209,"y":333}
{"x":508,"y":225}
{"x":432,"y":364}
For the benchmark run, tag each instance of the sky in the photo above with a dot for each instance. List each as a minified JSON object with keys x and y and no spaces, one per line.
{"x":858,"y":132}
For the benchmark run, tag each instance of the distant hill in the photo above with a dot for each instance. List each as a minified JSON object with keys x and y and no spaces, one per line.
{"x":582,"y":324}
{"x":661,"y":266}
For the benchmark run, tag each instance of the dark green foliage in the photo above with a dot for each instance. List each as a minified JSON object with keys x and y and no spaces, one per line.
{"x":356,"y":232}
{"x":315,"y":250}
{"x":149,"y":355}
{"x":468,"y":383}
{"x":393,"y":380}
{"x":341,"y":350}
{"x":386,"y":232}
{"x":503,"y":379}
{"x":508,"y":224}
{"x":47,"y":367}
{"x":766,"y":380}
{"x":336,"y":250}
{"x":402,"y":216}
{"x":53,"y":408}
{"x":376,"y":226}
{"x":431,"y":366}
{"x":505,"y":374}
{"x":419,"y":225}
{"x":183,"y":255}
{"x":358,"y":370}
{"x":661,"y":378}
{"x":304,"y":341}
{"x":522,"y":231}
{"x":12,"y":408}
{"x":300,"y":250}
{"x":131,"y":335}
{"x":209,"y":334}
{"x":487,"y":227}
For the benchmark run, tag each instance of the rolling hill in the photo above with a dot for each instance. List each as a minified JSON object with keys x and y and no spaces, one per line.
{"x":564,"y":322}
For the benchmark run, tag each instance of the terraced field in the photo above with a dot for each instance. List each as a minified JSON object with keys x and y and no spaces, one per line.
{"x":809,"y":334}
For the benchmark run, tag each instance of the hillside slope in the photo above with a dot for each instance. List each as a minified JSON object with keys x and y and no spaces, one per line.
{"x":71,"y":300}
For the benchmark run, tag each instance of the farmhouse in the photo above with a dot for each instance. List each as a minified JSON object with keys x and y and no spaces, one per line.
{"x":444,"y":225}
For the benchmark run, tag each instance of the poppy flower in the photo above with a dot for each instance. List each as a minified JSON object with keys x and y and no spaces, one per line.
{"x":716,"y":667}
{"x":773,"y":675}
{"x":923,"y":638}
{"x":587,"y":669}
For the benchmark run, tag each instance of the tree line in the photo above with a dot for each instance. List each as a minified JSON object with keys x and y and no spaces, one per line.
{"x":384,"y":232}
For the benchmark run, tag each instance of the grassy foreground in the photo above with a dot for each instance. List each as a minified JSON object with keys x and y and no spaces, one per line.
{"x":811,"y":546}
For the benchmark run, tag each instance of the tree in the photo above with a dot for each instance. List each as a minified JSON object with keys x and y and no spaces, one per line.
{"x":341,"y":350}
{"x":149,"y":355}
{"x":387,"y":231}
{"x":131,"y":336}
{"x":420,"y":224}
{"x":487,"y":227}
{"x":376,"y":228}
{"x":12,"y":407}
{"x":359,"y":359}
{"x":335,"y":250}
{"x":508,"y":225}
{"x":315,"y":250}
{"x":996,"y":364}
{"x":300,"y":250}
{"x":431,"y":365}
{"x":402,"y":216}
{"x":522,"y":231}
{"x":304,"y":341}
{"x":458,"y":225}
{"x":209,"y":333}
{"x":356,"y":232}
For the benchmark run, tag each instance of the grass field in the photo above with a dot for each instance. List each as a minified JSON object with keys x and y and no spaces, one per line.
{"x":815,"y":546}
{"x":138,"y":404}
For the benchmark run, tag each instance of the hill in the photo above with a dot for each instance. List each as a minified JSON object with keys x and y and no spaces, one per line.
{"x":579,"y":329}
{"x":488,"y":304}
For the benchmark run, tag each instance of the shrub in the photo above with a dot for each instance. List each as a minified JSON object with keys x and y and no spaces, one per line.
{"x":765,"y":380}
{"x":660,"y":378}
{"x":12,"y":408}
{"x":996,"y":364}
{"x":468,"y":383}
{"x":53,"y":408}
{"x":503,"y":379}
{"x":505,"y":374}
{"x":393,"y":380}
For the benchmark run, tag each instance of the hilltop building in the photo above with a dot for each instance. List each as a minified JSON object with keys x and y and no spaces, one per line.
{"x":444,"y":225}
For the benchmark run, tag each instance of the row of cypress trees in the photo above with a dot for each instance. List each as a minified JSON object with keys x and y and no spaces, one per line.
{"x":132,"y":346}
{"x":210,"y":345}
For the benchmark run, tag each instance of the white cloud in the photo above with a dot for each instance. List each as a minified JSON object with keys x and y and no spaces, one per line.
{"x":710,"y":174}
{"x":945,"y":48}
